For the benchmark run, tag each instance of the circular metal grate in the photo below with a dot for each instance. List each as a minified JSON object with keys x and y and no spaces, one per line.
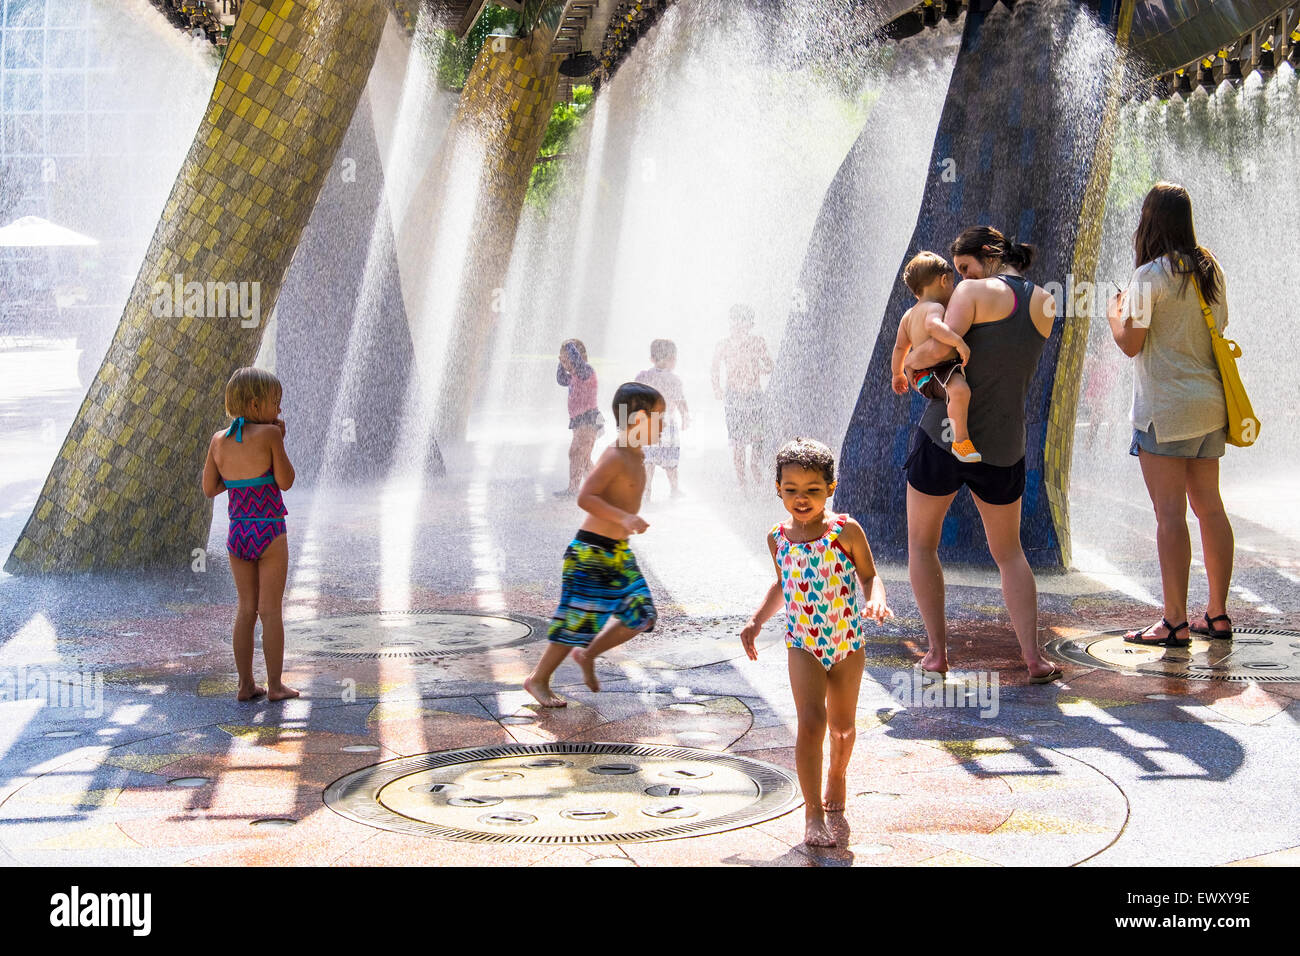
{"x":562,"y":793}
{"x":1265,"y":655}
{"x":407,"y":634}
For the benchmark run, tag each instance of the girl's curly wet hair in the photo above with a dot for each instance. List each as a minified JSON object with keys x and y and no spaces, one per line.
{"x":809,"y":454}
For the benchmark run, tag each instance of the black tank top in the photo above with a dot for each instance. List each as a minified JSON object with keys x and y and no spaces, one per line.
{"x":1003,"y":357}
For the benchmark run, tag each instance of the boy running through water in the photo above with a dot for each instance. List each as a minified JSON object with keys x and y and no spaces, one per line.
{"x":929,"y":277}
{"x":604,"y":600}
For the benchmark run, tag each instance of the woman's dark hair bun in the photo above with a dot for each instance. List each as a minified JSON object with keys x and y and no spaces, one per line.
{"x":1019,"y":255}
{"x":985,"y":242}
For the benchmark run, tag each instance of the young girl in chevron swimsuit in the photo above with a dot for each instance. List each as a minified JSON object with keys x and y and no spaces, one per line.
{"x":248,"y":462}
{"x":827,"y":583}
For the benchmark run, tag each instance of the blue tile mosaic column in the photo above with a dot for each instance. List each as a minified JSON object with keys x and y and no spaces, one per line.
{"x":1023,"y":145}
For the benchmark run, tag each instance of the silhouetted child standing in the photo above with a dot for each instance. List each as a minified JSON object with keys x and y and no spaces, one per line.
{"x":661,"y":377}
{"x":604,"y":600}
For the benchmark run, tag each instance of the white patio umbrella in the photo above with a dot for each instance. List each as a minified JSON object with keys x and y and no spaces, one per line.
{"x":32,"y":231}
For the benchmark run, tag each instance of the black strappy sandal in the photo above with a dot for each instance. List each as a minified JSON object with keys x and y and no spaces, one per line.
{"x":1169,"y":640}
{"x":1209,"y":631}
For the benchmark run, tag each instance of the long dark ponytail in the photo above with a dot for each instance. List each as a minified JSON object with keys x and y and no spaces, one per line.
{"x":986,"y":243}
{"x":1166,"y":229}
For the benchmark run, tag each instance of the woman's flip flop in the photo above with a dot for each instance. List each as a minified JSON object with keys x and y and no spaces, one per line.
{"x":1169,"y":640}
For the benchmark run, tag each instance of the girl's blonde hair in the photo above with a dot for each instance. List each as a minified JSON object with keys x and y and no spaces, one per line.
{"x":248,"y":386}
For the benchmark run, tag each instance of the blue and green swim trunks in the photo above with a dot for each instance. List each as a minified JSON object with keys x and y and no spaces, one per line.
{"x":600,"y":578}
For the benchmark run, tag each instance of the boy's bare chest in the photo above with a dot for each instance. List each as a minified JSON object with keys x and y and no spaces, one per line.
{"x":629,"y":484}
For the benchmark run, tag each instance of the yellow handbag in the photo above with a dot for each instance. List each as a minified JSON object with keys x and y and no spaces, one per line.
{"x":1243,"y":426}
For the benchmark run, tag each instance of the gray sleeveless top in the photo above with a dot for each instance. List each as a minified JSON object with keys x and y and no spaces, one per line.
{"x":1003,"y":357}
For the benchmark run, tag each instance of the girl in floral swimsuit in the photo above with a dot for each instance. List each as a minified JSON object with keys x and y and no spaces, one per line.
{"x":823,"y":569}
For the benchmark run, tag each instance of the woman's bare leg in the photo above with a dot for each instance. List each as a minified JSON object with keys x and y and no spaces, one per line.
{"x":925,"y":515}
{"x":808,"y":682}
{"x":842,"y":685}
{"x":1216,"y":531}
{"x":1019,"y":590}
{"x":245,"y":575}
{"x":1166,"y":480}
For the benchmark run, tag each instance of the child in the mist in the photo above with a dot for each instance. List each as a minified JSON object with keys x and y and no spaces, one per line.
{"x":604,"y":600}
{"x":826,"y":581}
{"x":585,"y":421}
{"x":247,"y":460}
{"x":667,"y":453}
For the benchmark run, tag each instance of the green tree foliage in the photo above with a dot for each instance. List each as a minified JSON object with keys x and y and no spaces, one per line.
{"x":564,"y":122}
{"x":455,"y":56}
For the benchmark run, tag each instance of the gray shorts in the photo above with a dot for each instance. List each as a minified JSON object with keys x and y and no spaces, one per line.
{"x":1204,"y":446}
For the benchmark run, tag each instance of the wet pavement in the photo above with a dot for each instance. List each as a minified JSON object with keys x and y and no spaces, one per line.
{"x":121,"y":742}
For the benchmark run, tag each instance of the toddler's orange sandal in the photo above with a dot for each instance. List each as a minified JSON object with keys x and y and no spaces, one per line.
{"x":965,"y":451}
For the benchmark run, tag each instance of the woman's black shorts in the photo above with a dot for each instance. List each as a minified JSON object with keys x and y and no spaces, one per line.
{"x":933,"y":470}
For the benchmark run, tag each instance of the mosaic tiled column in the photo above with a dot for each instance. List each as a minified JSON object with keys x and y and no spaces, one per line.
{"x":505,"y":107}
{"x":1024,"y":145}
{"x":406,"y":13}
{"x":124,"y":490}
{"x":1058,"y":446}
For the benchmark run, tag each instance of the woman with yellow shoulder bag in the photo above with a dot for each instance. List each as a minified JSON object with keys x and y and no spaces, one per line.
{"x":1180,"y":414}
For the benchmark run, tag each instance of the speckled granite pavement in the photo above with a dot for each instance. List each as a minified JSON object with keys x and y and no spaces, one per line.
{"x":158,"y":764}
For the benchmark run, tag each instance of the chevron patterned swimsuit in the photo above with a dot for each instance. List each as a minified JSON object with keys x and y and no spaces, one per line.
{"x":256,"y":510}
{"x":820,"y":585}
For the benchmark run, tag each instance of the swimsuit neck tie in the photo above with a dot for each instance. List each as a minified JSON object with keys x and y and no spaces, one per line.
{"x":237,"y":429}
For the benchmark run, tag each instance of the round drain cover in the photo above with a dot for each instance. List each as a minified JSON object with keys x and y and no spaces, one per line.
{"x":668,"y":790}
{"x":1253,"y":654}
{"x":400,"y":634}
{"x":614,"y":769}
{"x":443,"y":788}
{"x":588,"y":815}
{"x":507,"y":819}
{"x":687,"y":773}
{"x":496,"y":776}
{"x":565,"y":793}
{"x":462,"y":801}
{"x":672,"y":811}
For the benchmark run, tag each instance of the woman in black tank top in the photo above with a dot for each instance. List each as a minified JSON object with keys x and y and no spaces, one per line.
{"x":1005,"y":350}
